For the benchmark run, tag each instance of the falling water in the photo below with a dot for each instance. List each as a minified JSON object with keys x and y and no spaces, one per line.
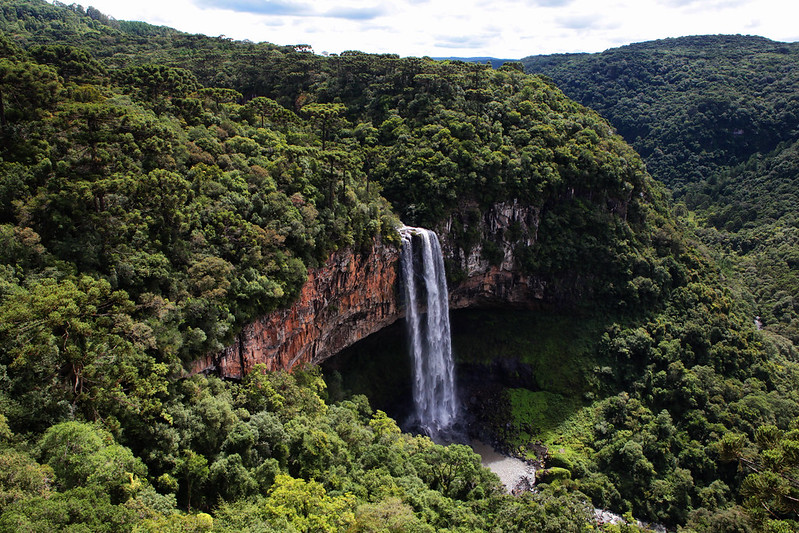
{"x":429,"y":335}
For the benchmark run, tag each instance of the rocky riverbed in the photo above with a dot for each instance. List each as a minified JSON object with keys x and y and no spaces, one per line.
{"x":515,"y":474}
{"x":519,"y":476}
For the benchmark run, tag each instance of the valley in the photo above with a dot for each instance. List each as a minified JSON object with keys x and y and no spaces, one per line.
{"x":203,"y":303}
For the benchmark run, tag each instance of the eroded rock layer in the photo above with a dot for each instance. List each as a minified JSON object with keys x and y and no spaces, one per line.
{"x":504,"y":227}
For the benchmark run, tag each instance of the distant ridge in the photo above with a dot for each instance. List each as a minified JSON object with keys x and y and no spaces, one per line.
{"x":691,"y":106}
{"x":495,"y":62}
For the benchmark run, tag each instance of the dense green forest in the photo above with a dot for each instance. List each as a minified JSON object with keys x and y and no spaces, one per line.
{"x":691,"y":106}
{"x":160,"y":190}
{"x":717,"y":119}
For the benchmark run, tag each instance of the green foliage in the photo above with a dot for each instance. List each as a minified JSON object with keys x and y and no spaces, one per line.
{"x":159,"y":190}
{"x":690,"y":106}
{"x":748,"y":215}
{"x":551,"y":509}
{"x":169,"y":220}
{"x":713,"y":117}
{"x":535,"y":413}
{"x":73,"y":64}
{"x":77,"y":341}
{"x":80,"y":509}
{"x":26,"y":88}
{"x":82,"y":455}
{"x":770,"y":488}
{"x":22,"y":478}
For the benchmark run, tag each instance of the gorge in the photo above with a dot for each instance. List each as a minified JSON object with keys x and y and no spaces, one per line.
{"x":200,"y":268}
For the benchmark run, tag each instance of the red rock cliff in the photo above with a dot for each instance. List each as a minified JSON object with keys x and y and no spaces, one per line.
{"x":348,"y":298}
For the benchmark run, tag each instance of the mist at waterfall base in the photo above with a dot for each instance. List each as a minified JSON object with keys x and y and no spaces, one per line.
{"x":436,"y":407}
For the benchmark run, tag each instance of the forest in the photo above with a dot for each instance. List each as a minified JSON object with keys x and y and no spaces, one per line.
{"x":160,"y":190}
{"x":714,"y":117}
{"x":691,"y":106}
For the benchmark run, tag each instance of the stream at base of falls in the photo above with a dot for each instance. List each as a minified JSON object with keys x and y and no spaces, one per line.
{"x":519,"y":476}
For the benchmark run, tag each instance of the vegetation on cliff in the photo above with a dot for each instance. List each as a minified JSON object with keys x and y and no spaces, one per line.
{"x":160,"y":189}
{"x":152,"y":215}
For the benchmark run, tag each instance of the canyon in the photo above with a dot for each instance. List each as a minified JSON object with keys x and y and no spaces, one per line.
{"x":357,"y":293}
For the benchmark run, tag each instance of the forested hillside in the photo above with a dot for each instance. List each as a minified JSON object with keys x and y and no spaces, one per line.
{"x":749,"y":215}
{"x":160,"y":190}
{"x":716,"y":118}
{"x":691,"y":106}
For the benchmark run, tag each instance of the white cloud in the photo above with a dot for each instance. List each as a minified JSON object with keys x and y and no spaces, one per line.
{"x":500,"y":28}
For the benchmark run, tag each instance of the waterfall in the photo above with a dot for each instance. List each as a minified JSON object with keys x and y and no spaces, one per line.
{"x":425,"y":284}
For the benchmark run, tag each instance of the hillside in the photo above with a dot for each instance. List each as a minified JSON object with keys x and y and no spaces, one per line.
{"x":691,"y":106}
{"x":715,"y":118}
{"x":161,"y":190}
{"x":749,"y":214}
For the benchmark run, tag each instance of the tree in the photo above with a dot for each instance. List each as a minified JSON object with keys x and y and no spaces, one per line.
{"x":68,"y":448}
{"x":264,"y":108}
{"x":218,"y":96}
{"x":81,"y":454}
{"x":73,"y":64}
{"x":21,"y":477}
{"x":455,"y":471}
{"x":193,"y":468}
{"x":307,"y":506}
{"x":81,"y":509}
{"x":76,"y":340}
{"x":771,"y":489}
{"x":159,"y":83}
{"x":326,"y":118}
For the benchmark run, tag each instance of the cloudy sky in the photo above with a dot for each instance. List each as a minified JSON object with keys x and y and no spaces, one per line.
{"x":501,"y":28}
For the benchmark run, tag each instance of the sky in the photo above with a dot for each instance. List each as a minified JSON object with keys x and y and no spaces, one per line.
{"x":507,"y":29}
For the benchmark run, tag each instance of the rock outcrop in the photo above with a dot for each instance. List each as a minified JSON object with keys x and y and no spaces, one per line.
{"x":492,"y":278}
{"x":356,"y":294}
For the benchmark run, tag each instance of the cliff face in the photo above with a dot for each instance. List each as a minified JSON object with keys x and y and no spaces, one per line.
{"x":356,"y":294}
{"x":347,"y":299}
{"x":490,"y":274}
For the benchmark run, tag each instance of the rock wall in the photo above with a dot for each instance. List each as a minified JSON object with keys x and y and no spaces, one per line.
{"x":348,"y":298}
{"x":504,"y":226}
{"x":356,"y":294}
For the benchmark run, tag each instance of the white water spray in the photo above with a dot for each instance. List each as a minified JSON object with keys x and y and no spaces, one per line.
{"x":434,"y":394}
